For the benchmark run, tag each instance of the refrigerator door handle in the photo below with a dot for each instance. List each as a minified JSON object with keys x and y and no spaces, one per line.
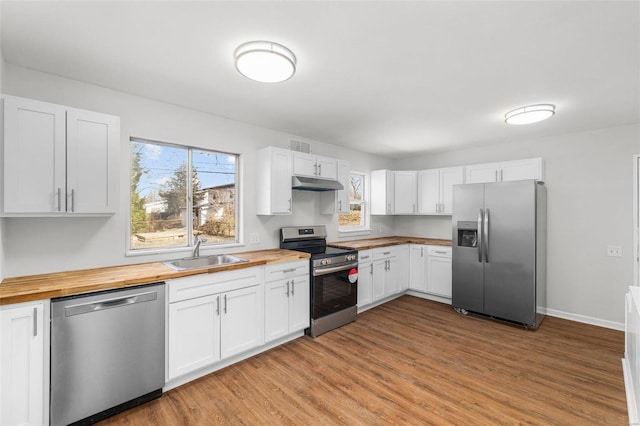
{"x":480,"y":239}
{"x":486,"y":236}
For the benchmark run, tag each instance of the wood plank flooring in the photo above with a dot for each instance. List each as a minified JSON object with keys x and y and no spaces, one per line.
{"x":413,"y":361}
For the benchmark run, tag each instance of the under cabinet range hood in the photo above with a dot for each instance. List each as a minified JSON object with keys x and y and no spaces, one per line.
{"x":305,"y":183}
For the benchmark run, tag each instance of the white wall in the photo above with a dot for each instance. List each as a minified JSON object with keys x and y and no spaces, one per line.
{"x":40,"y":245}
{"x":589,"y":179}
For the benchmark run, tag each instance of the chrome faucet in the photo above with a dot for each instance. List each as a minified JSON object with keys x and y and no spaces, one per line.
{"x":196,"y":248}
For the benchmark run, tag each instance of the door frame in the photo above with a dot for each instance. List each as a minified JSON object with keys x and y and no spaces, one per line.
{"x":636,"y":219}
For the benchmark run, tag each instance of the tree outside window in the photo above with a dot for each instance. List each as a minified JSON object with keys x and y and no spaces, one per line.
{"x":356,"y":219}
{"x":178,"y":193}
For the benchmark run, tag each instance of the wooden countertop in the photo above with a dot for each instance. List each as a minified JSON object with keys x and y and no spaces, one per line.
{"x":46,"y":286}
{"x":372,"y":243}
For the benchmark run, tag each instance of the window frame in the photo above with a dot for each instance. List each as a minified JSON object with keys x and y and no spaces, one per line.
{"x":189,"y":208}
{"x":364,"y":228}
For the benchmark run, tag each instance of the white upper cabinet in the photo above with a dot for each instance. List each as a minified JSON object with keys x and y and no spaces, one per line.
{"x":273,"y":181}
{"x":382,"y":188}
{"x":311,"y":165}
{"x":338,"y":201}
{"x":435,"y":189}
{"x":531,"y":168}
{"x":58,"y":160}
{"x":405,"y":192}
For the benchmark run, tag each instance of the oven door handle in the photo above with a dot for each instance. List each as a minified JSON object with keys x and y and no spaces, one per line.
{"x":326,"y":271}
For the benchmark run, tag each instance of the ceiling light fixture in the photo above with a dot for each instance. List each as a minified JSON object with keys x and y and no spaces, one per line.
{"x":530,"y":114}
{"x":265,"y":61}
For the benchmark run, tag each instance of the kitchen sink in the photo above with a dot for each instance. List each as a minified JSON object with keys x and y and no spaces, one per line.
{"x":203,"y":261}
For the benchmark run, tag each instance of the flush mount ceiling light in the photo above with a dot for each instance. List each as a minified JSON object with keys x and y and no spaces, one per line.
{"x":530,"y":114}
{"x":265,"y":61}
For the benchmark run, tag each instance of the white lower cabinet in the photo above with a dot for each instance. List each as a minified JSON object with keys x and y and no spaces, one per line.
{"x":387,"y":272}
{"x":365,"y":278}
{"x":430,"y":270}
{"x":439,"y":271}
{"x":631,"y":361}
{"x":212,"y":317}
{"x":287,"y":299}
{"x":24,"y":364}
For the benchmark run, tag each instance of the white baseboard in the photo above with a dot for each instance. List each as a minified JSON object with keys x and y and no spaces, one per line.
{"x":583,"y":318}
{"x":634,"y":414}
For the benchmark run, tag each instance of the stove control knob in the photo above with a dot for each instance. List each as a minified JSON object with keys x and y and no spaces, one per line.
{"x":328,"y":261}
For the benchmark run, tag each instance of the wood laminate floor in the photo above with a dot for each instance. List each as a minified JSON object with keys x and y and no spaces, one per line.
{"x":413,"y":361}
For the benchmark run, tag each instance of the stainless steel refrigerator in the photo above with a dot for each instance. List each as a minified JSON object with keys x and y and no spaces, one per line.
{"x":499,"y":250}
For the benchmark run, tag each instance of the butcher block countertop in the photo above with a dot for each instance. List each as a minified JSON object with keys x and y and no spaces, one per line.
{"x":47,"y":286}
{"x":372,"y":243}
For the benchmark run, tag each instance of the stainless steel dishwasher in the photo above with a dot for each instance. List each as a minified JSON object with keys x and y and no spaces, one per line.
{"x":107,"y":352}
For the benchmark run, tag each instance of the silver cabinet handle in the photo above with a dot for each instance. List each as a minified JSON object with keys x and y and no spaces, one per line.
{"x":386,"y":253}
{"x":486,"y":236}
{"x":72,"y":199}
{"x":225,"y":303}
{"x":421,"y":251}
{"x":59,"y":199}
{"x":501,"y":178}
{"x":286,"y":271}
{"x":290,"y":204}
{"x":293,"y":286}
{"x":479,"y":235}
{"x":287,"y":292}
{"x":35,"y":322}
{"x":340,"y":205}
{"x":371,"y":269}
{"x":218,"y":305}
{"x":364,"y":257}
{"x":440,"y":252}
{"x":320,"y":169}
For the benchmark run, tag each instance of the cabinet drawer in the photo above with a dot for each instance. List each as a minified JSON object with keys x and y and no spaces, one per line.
{"x":439,"y":251}
{"x":207,"y":284}
{"x":365,"y":256}
{"x":286,"y":270}
{"x":384,"y":252}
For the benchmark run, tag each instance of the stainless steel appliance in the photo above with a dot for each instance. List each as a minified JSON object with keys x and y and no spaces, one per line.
{"x":334,"y":277}
{"x":499,"y":250}
{"x":107,"y":353}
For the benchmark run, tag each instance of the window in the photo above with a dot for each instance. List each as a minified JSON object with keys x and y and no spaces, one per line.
{"x":178,"y":193}
{"x":357,"y":218}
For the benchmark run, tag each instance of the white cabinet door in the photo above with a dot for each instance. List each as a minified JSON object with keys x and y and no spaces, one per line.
{"x":241,"y":320}
{"x":23,"y":394}
{"x":273,"y":184}
{"x":304,"y":164}
{"x":418,"y":268}
{"x":379,"y":277}
{"x":482,"y":173}
{"x":299,"y":303}
{"x":402,"y":273}
{"x":449,"y":177}
{"x":276,"y":307}
{"x":522,"y":170}
{"x":92,"y":162}
{"x":338,"y":201}
{"x":34,"y":156}
{"x":439,"y":276}
{"x":382,"y":192}
{"x":365,"y":283}
{"x":428,"y":191}
{"x":194,"y":334}
{"x":405,"y":192}
{"x":342,"y":196}
{"x":393,"y":276}
{"x":327,"y":167}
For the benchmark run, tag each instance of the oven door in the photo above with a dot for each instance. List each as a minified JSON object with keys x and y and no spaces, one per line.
{"x":333,"y":289}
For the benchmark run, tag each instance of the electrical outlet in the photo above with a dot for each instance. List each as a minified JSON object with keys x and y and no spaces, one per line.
{"x":614,"y":251}
{"x":254,"y":238}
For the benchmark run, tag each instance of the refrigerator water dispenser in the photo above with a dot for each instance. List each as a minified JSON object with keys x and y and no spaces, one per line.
{"x":467,"y":234}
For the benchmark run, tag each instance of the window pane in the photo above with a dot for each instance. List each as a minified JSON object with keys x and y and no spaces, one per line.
{"x":158,"y":196}
{"x":214,"y":196}
{"x":356,"y":187}
{"x":353,"y":218}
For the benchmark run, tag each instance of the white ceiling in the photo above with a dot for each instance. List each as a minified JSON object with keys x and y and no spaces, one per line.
{"x":393,"y":78}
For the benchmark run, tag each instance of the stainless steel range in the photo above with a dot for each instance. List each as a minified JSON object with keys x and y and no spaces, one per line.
{"x":334,"y":277}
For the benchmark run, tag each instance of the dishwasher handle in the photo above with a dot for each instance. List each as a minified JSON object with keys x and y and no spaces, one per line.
{"x":100,"y":305}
